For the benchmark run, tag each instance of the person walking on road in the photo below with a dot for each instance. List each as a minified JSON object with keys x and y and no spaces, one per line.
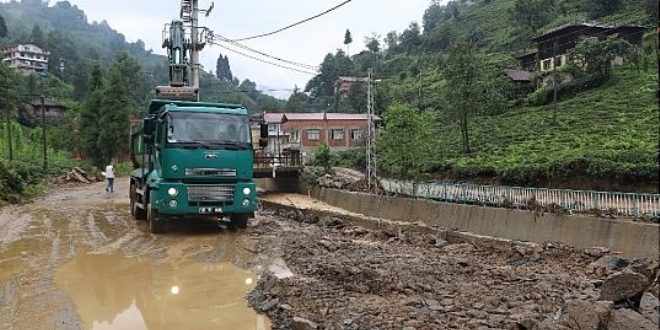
{"x":110,"y":175}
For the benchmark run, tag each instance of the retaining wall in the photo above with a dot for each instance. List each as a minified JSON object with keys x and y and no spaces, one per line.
{"x":631,"y":239}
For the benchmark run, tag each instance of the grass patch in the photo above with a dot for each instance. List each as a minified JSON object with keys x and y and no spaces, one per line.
{"x":608,"y":133}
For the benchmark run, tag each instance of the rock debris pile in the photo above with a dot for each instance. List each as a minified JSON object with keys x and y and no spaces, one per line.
{"x":347,"y":276}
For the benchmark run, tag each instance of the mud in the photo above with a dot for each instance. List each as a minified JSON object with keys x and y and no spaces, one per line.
{"x":75,"y":259}
{"x":347,"y":274}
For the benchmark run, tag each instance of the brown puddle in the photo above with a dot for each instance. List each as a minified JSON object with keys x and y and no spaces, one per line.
{"x":118,"y":292}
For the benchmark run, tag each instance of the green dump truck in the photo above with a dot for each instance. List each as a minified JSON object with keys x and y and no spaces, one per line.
{"x":191,"y":158}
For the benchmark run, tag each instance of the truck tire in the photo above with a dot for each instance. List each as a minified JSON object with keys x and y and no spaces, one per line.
{"x":239,"y":220}
{"x":136,"y":212}
{"x":154,"y":219}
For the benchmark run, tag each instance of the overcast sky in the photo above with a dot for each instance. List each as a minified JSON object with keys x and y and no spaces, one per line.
{"x":307,"y":43}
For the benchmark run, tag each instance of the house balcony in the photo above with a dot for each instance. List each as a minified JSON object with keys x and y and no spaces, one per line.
{"x":32,"y":59}
{"x":292,"y":145}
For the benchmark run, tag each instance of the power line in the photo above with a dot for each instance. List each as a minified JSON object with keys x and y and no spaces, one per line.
{"x":294,"y":24}
{"x":262,"y":60}
{"x":298,"y":64}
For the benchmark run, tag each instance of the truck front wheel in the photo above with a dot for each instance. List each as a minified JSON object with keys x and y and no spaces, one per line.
{"x":137,"y":212}
{"x":239,"y":220}
{"x":154,"y":219}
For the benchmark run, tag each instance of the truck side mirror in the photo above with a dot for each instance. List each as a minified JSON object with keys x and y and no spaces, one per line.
{"x":264,"y":131}
{"x":263,"y":143}
{"x":148,"y":130}
{"x":148,"y":126}
{"x":148,"y":138}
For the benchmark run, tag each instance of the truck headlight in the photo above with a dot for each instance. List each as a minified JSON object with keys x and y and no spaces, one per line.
{"x":173,"y":203}
{"x":172,"y":192}
{"x":246,"y":202}
{"x":246,"y":191}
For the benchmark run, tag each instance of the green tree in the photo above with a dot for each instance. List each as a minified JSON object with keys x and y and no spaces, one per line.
{"x":404,"y":143}
{"x":114,"y":123}
{"x":3,"y":27}
{"x":37,"y":37}
{"x":466,"y":92}
{"x":130,"y":73}
{"x":348,"y":39}
{"x":222,"y":68}
{"x":411,"y":40}
{"x":90,"y":119}
{"x":593,"y":57}
{"x":433,"y":16}
{"x":8,"y":99}
{"x":323,"y":157}
{"x":372,"y":43}
{"x":297,"y":101}
{"x":80,"y":79}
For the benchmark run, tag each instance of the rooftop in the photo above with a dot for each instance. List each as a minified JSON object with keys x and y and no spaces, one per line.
{"x":272,"y":118}
{"x":518,"y":75}
{"x":586,"y":25}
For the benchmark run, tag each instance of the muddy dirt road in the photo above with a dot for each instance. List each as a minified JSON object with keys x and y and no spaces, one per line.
{"x":77,"y":260}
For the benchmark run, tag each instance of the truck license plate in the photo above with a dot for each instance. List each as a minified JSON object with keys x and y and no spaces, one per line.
{"x":210,"y":210}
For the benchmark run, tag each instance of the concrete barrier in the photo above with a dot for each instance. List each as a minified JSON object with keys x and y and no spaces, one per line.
{"x":631,"y":239}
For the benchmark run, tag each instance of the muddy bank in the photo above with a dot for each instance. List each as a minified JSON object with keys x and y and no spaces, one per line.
{"x":346,"y":274}
{"x":76,"y":259}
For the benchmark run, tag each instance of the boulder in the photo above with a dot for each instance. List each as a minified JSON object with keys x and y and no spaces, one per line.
{"x":645,"y":267}
{"x":596,"y":252}
{"x":608,"y":263}
{"x":627,"y":319}
{"x":585,"y":315}
{"x":649,"y":307}
{"x":623,"y":285}
{"x":299,"y":323}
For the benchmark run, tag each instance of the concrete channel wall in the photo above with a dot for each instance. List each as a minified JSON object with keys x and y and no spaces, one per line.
{"x":631,"y":239}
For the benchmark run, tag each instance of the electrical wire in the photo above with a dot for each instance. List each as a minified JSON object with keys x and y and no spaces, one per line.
{"x":294,"y":24}
{"x":298,"y":64}
{"x":262,"y":60}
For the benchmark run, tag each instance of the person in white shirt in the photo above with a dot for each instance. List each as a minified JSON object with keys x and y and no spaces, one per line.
{"x":110,"y":175}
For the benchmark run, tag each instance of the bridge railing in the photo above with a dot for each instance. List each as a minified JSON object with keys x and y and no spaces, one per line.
{"x":581,"y":201}
{"x":281,"y":161}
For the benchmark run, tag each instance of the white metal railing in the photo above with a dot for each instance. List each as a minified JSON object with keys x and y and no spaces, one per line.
{"x":619,"y":203}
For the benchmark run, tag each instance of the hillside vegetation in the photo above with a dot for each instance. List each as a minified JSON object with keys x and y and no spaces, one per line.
{"x":77,"y":44}
{"x":101,"y":78}
{"x":450,"y":113}
{"x":609,"y":135}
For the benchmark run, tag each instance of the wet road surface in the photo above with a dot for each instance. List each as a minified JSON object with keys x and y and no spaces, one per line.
{"x":76,"y":259}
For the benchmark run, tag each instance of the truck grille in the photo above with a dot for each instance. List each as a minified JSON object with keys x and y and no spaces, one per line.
{"x":210,"y":193}
{"x":227,"y":172}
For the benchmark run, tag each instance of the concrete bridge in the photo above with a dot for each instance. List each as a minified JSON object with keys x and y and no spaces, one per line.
{"x":277,"y":166}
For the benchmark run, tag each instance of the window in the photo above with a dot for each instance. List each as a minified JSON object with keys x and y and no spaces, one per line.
{"x":356,"y":134}
{"x":274,"y":128}
{"x":559,"y":61}
{"x":337,"y":134}
{"x":313,"y":134}
{"x":545,"y":65}
{"x":295,"y":136}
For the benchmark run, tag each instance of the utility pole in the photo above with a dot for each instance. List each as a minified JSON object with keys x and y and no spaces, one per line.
{"x":190,"y":15}
{"x":419,"y":97}
{"x":554,"y":81}
{"x":195,"y":44}
{"x":43,"y":133}
{"x":8,"y":119}
{"x":371,"y":134}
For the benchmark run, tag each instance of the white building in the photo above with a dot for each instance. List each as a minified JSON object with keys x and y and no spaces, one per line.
{"x":26,"y":57}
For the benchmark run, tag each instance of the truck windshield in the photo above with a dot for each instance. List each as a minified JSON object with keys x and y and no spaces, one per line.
{"x":211,"y":128}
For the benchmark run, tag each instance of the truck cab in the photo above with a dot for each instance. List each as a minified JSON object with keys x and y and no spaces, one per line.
{"x":193,"y":159}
